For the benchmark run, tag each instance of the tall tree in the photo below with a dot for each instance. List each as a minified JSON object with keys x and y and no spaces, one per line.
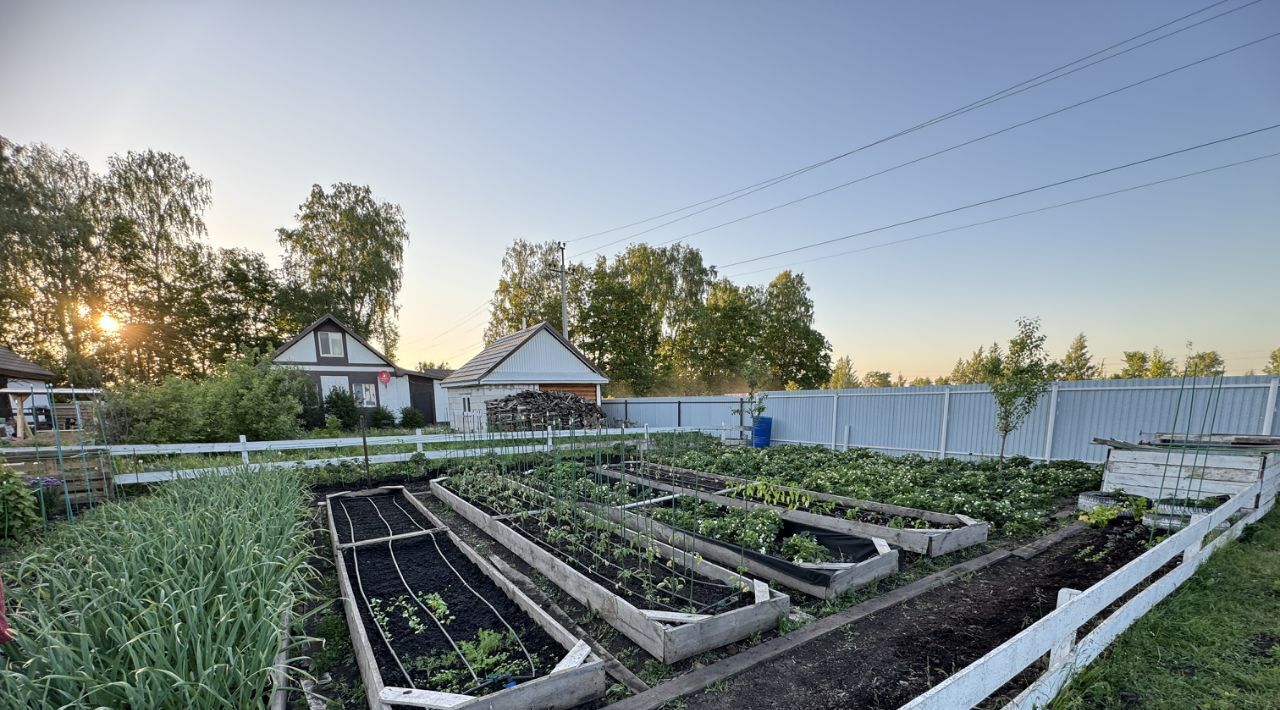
{"x":528,"y":290}
{"x":676,"y":283}
{"x":725,"y":336}
{"x":620,"y":330}
{"x":347,"y":253}
{"x":842,"y":375}
{"x":1204,"y":364}
{"x":1136,"y":365}
{"x":1078,"y":364}
{"x":1273,"y":363}
{"x":793,"y":349}
{"x":876,"y":378}
{"x":1018,"y":378}
{"x":974,"y":370}
{"x":1159,"y":364}
{"x":921,"y":382}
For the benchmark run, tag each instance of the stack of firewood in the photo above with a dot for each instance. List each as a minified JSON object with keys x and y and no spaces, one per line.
{"x":533,"y":409}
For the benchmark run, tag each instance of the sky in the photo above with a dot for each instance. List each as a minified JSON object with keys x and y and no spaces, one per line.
{"x":492,"y":121}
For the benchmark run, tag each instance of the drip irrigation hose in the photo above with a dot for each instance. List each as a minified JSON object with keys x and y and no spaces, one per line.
{"x":532,"y":667}
{"x":355,"y":562}
{"x":399,"y":573}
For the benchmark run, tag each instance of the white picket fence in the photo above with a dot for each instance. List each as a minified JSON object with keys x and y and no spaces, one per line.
{"x":481,"y":445}
{"x":1055,"y":634}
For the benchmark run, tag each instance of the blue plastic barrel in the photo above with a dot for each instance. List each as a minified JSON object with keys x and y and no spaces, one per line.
{"x":762,"y":432}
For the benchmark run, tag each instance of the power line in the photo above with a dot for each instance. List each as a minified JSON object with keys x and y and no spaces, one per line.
{"x":971,"y":141}
{"x":1046,"y":208}
{"x":1019,"y":193}
{"x":987,"y":100}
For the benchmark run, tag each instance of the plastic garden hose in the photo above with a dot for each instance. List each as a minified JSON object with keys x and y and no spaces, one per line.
{"x":5,"y":634}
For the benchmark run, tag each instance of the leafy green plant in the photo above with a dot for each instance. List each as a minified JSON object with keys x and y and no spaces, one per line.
{"x":19,"y":511}
{"x":220,"y":558}
{"x":342,"y":404}
{"x":804,"y":547}
{"x":1101,"y":516}
{"x":381,"y":417}
{"x":411,"y":418}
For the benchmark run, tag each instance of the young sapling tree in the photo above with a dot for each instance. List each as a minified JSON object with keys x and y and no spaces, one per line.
{"x":1018,"y":378}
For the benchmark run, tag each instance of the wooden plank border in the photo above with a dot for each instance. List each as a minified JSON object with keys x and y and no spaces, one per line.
{"x":668,"y":643}
{"x":579,"y":677}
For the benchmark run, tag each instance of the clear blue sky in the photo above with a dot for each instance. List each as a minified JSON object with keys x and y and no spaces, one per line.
{"x":491,"y":121}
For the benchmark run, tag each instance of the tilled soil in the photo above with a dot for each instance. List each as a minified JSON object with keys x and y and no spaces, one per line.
{"x":426,"y":569}
{"x":886,"y":659}
{"x":371,"y":516}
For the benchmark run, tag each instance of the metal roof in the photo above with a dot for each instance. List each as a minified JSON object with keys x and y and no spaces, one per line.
{"x":481,"y":365}
{"x":13,"y":366}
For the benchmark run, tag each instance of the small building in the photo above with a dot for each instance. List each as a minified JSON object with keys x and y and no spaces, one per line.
{"x":334,"y":356}
{"x":27,"y":385}
{"x":536,"y":358}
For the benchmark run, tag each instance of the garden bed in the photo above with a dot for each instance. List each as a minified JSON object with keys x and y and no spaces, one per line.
{"x":812,"y":559}
{"x":922,"y":531}
{"x":671,"y":603}
{"x":908,"y":648}
{"x":430,"y":612}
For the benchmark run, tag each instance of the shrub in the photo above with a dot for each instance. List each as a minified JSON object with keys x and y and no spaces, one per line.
{"x":381,"y":418}
{"x":342,"y":404}
{"x":162,"y":413}
{"x":18,"y":508}
{"x":411,"y":418}
{"x":252,"y":398}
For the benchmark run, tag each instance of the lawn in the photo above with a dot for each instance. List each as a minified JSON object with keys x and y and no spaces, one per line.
{"x":1215,"y":643}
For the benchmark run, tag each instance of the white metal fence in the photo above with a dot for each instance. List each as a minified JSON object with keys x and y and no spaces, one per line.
{"x":959,"y":420}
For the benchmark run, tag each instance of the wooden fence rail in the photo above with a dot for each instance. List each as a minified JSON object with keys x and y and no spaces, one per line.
{"x":1056,"y":633}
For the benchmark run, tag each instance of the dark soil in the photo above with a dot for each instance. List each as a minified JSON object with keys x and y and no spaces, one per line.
{"x":371,"y":516}
{"x":862,"y":515}
{"x":886,"y":659}
{"x":620,"y":568}
{"x":679,"y":479}
{"x":425,"y":570}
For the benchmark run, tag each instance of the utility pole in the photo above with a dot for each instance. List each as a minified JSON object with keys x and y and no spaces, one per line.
{"x":564,"y":295}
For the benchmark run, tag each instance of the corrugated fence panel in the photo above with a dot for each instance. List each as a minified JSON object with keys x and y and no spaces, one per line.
{"x":904,"y":420}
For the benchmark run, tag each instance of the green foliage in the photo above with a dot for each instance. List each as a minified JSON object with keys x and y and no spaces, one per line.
{"x":411,"y":418}
{"x":620,"y":329}
{"x":380,"y":418}
{"x":220,"y":559}
{"x":842,"y":375}
{"x":346,"y":255}
{"x":1273,"y":363}
{"x":1078,"y":364}
{"x":1204,"y":364}
{"x":804,"y":548}
{"x":340,"y":403}
{"x":792,"y":348}
{"x":245,"y":396}
{"x":19,"y":512}
{"x":1016,"y":500}
{"x":876,"y":378}
{"x":1018,"y":378}
{"x":1101,"y":516}
{"x":1140,"y":365}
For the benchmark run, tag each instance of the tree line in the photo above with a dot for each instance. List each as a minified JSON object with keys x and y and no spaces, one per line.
{"x":1077,"y":363}
{"x":108,"y":277}
{"x":659,"y":320}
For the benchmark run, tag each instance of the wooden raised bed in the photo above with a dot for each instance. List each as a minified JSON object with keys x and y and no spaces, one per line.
{"x":666,"y":635}
{"x":840,"y":577}
{"x":962,"y":531}
{"x":579,"y":677}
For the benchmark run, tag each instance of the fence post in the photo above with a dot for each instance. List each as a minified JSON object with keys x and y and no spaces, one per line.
{"x":418,"y":433}
{"x":946,"y":413}
{"x":679,"y":419}
{"x":1053,"y":415}
{"x":244,"y":450}
{"x":835,"y":411}
{"x":1269,"y":416}
{"x":646,"y":435}
{"x":1058,"y":654}
{"x":626,"y":412}
{"x":1193,"y":550}
{"x":550,"y":442}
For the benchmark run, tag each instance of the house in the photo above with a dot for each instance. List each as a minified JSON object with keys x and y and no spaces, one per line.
{"x":334,"y":356}
{"x":16,"y":375}
{"x":536,"y":358}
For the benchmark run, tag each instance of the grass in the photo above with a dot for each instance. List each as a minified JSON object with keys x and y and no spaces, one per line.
{"x":1214,"y":643}
{"x":170,"y":601}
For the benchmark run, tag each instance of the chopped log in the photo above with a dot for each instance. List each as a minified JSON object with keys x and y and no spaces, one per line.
{"x":535,"y":409}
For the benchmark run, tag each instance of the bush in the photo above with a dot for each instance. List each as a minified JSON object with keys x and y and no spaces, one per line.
{"x":381,"y":418}
{"x":18,"y":511}
{"x":411,"y":418}
{"x":342,"y":404}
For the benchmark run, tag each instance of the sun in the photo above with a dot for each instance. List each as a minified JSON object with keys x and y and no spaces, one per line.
{"x":109,"y":324}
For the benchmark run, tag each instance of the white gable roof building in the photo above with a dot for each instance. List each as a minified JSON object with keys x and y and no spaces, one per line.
{"x":536,"y":358}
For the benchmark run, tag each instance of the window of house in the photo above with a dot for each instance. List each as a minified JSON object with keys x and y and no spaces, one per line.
{"x":466,"y":403}
{"x":366,"y":394}
{"x":330,"y":344}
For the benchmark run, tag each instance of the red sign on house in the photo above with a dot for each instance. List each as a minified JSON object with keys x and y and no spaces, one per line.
{"x":384,"y":377}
